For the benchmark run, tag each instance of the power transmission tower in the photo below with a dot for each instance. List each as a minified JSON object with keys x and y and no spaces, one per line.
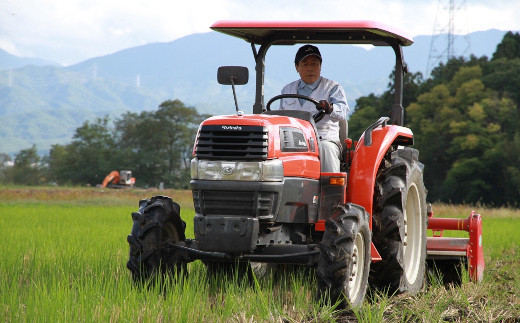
{"x":138,"y":81}
{"x":444,"y":29}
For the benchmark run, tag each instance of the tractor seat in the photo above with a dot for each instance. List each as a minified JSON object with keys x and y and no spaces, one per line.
{"x":343,"y":134}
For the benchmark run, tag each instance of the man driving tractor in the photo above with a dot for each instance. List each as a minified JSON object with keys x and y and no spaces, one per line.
{"x":263,"y":193}
{"x":331,"y":97}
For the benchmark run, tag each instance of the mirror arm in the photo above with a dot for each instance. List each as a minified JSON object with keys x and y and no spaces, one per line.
{"x":232,"y":79}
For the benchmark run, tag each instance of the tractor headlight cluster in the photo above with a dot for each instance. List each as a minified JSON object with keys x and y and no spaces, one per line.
{"x":217,"y":170}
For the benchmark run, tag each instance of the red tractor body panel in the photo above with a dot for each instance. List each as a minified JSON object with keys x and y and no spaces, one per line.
{"x":296,"y":164}
{"x":366,"y":161}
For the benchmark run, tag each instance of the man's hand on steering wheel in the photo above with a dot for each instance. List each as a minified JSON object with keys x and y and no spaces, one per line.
{"x":322,"y":106}
{"x":325,"y":106}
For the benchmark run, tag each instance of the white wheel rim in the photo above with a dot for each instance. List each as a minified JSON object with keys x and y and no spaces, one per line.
{"x":356,"y":273}
{"x":412,"y":242}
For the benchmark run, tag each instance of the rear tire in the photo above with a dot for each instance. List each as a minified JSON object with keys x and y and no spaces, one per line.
{"x":156,"y":225}
{"x":344,"y":261}
{"x":400,"y":223}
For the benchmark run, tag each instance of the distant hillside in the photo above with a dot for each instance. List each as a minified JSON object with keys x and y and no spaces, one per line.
{"x":8,"y":61}
{"x":44,"y":104}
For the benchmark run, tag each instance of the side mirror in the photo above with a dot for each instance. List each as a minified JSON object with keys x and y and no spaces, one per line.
{"x":239,"y":74}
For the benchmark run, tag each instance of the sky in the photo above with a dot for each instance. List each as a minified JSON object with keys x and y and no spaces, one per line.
{"x":70,"y":31}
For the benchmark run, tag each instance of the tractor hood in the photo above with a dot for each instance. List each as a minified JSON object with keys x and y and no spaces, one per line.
{"x":261,"y":137}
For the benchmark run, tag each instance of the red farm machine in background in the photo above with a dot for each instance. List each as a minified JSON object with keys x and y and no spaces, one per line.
{"x":122,"y":179}
{"x":260,"y":197}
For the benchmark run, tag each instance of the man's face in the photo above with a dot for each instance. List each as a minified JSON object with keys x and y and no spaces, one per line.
{"x":309,"y":69}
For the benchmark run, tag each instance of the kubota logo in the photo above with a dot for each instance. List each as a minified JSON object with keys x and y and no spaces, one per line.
{"x":231,"y":127}
{"x":227,"y":169}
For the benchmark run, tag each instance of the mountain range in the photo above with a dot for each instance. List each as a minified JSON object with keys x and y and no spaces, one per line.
{"x":43,"y":103}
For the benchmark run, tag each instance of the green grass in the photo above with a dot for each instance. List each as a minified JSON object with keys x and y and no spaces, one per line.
{"x":63,"y":257}
{"x":500,"y":235}
{"x":62,"y":262}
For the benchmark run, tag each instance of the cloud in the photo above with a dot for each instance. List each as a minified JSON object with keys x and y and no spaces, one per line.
{"x":9,"y":46}
{"x":69,"y":31}
{"x":503,"y":15}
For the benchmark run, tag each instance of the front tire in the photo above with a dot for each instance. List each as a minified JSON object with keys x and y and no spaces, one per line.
{"x":156,"y":225}
{"x":400,"y":223}
{"x":344,"y":261}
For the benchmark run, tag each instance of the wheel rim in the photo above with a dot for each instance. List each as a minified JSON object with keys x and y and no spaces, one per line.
{"x":412,"y":244}
{"x":170,"y":233}
{"x":356,"y":274}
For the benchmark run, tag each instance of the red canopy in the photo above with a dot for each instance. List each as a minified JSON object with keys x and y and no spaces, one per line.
{"x":351,"y":32}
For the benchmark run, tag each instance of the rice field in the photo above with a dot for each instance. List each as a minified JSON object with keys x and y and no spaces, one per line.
{"x":63,"y":254}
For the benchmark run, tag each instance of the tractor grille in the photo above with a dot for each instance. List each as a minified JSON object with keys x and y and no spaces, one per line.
{"x":232,"y":143}
{"x":255,"y":204}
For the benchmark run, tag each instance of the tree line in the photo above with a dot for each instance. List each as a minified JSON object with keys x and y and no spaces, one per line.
{"x":465,"y":117}
{"x":156,"y":146}
{"x":466,"y":123}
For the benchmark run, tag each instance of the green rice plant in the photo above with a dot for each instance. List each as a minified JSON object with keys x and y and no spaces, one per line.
{"x":68,"y":263}
{"x":63,"y":257}
{"x":374,"y":307}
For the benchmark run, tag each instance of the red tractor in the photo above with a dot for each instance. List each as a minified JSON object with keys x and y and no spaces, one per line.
{"x":260,"y":197}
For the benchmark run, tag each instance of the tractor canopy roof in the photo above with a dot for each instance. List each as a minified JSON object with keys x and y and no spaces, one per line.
{"x":326,"y":32}
{"x":267,"y":33}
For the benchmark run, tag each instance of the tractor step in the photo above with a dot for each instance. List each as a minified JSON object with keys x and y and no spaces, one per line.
{"x":287,"y":254}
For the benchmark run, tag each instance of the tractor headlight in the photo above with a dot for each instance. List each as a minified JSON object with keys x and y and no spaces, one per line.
{"x":266,"y":171}
{"x":272,"y":170}
{"x":193,"y":168}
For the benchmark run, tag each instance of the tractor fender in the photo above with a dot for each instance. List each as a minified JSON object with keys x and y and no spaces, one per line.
{"x":366,"y":161}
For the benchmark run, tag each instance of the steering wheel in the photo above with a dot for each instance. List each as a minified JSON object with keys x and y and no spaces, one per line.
{"x":317,"y":116}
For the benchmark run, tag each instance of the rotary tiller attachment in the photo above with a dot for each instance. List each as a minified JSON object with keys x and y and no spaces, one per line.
{"x":447,"y":254}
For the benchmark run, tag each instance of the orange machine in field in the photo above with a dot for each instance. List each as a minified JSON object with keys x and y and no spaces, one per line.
{"x":122,"y":179}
